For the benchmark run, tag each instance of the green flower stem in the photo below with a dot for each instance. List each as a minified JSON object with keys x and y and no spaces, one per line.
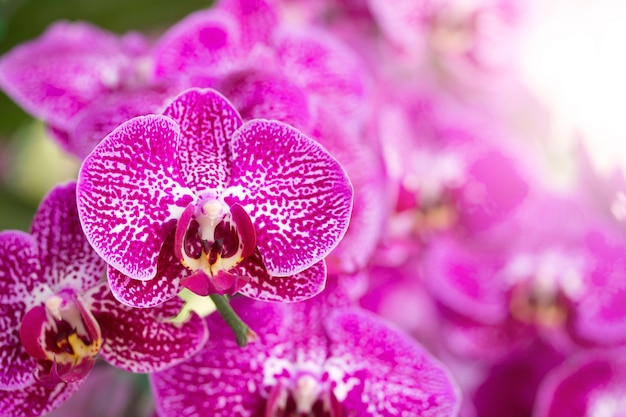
{"x":243,"y":334}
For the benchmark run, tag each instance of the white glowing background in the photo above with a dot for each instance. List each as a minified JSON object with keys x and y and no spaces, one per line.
{"x":574,"y":57}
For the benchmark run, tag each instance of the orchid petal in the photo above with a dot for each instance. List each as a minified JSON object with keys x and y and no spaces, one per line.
{"x":599,"y":311}
{"x":258,"y":17}
{"x":224,"y":368}
{"x":205,"y":42}
{"x":327,"y":70}
{"x":365,"y":169}
{"x":19,"y":275}
{"x":497,"y":196}
{"x":67,"y":259}
{"x":130,"y":194}
{"x":296,"y":193}
{"x":102,"y":116}
{"x":20,"y":268}
{"x":259,"y":93}
{"x":466,"y":280}
{"x":207,"y":122}
{"x":18,"y":368}
{"x":58,"y":74}
{"x":144,"y":339}
{"x":143,"y":294}
{"x":36,"y":399}
{"x":264,"y":287}
{"x":388,"y":366}
{"x":588,"y":384}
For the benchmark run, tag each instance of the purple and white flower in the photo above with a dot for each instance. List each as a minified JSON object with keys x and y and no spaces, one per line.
{"x":58,"y":315}
{"x":315,"y":358}
{"x":197,"y":198}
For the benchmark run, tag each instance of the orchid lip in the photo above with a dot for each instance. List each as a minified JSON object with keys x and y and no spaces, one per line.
{"x":304,"y":394}
{"x":62,"y":331}
{"x":211,"y":238}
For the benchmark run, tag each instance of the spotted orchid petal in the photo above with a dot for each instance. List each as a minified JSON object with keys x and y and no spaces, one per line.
{"x":36,"y":399}
{"x":67,"y":259}
{"x":130,"y":194}
{"x":205,"y":42}
{"x":175,"y":396}
{"x":144,"y":339}
{"x":20,"y":272}
{"x":70,"y":65}
{"x":207,"y":122}
{"x":388,"y":366}
{"x":302,"y":355}
{"x":143,"y":294}
{"x":296,"y":194}
{"x":294,"y":288}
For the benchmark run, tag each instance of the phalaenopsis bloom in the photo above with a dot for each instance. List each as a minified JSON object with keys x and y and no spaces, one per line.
{"x":57,"y":314}
{"x":320,"y":357}
{"x":302,"y":76}
{"x":197,"y":198}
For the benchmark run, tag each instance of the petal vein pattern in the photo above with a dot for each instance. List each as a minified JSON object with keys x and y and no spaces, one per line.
{"x":207,"y":122}
{"x":296,"y":193}
{"x":130,"y":194}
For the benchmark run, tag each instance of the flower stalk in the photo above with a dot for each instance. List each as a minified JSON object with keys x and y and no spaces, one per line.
{"x":243,"y":333}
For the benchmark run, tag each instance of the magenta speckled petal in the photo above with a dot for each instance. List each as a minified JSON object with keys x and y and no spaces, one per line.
{"x":204,"y":42}
{"x":143,"y":339}
{"x":294,"y":288}
{"x":348,"y":355}
{"x":67,"y":259}
{"x":20,"y":273}
{"x":71,"y":64}
{"x":17,"y":367}
{"x":35,"y":400}
{"x":164,"y":286}
{"x":207,"y":122}
{"x":297,"y":194}
{"x":20,"y":269}
{"x":182,"y":391}
{"x":144,"y":294}
{"x":130,"y":194}
{"x":392,"y":372}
